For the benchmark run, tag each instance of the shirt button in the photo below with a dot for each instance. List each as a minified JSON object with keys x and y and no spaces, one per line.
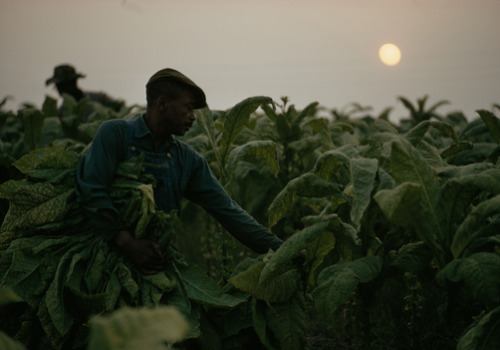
{"x":132,"y":148}
{"x":169,"y":155}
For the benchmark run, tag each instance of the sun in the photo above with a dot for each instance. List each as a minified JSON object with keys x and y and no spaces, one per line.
{"x":389,"y":54}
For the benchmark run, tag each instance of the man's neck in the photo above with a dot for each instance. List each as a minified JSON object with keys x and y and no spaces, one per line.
{"x":158,"y":141}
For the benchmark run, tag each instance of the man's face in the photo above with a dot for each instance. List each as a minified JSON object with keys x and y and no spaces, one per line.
{"x":175,"y":116}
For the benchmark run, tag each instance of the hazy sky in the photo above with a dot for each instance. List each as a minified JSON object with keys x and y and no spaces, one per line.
{"x":308,"y":50}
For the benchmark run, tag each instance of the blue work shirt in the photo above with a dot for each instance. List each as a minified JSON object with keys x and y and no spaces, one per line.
{"x":117,"y":140}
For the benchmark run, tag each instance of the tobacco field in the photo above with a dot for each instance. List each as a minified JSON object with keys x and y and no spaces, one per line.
{"x":397,"y":224}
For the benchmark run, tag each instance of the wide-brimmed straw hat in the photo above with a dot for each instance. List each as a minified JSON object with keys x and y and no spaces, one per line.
{"x":63,"y":72}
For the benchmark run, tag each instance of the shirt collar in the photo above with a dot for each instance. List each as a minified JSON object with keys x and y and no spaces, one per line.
{"x":142,"y":131}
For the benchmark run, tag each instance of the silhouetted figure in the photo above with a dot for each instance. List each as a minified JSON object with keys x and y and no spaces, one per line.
{"x":66,"y":80}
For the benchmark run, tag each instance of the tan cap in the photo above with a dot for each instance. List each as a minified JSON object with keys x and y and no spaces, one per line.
{"x":172,"y":74}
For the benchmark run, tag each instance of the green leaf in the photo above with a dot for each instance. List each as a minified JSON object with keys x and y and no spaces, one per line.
{"x":290,"y":248}
{"x":33,"y":205}
{"x":408,"y":166}
{"x":473,"y":222}
{"x":492,"y":122}
{"x":270,"y":112}
{"x":138,"y":328}
{"x":280,"y":289}
{"x":33,"y":123}
{"x":481,"y":274}
{"x":147,"y":209}
{"x":61,"y":320}
{"x":457,"y":193}
{"x":7,"y":343}
{"x":363,"y":172}
{"x":45,"y":158}
{"x":8,"y":296}
{"x":413,"y":257}
{"x":456,"y":148}
{"x":248,"y":280}
{"x":260,"y":323}
{"x":51,"y":131}
{"x":287,"y":321}
{"x":446,"y":129}
{"x":205,"y":119}
{"x":49,"y":107}
{"x":333,"y":164}
{"x":309,"y":111}
{"x":235,"y":121}
{"x":317,"y":250}
{"x":203,"y":289}
{"x":383,"y":126}
{"x":417,"y":133}
{"x":484,"y":335}
{"x":87,"y":131}
{"x":408,"y":105}
{"x":306,"y":185}
{"x":260,"y":152}
{"x":401,"y":203}
{"x":276,"y":279}
{"x":283,"y":127}
{"x":69,"y":106}
{"x":336,"y":283}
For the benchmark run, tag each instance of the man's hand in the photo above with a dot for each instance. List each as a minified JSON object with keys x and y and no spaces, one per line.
{"x":143,"y":253}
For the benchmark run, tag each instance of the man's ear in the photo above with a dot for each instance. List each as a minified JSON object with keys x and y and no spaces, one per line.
{"x":162,"y":101}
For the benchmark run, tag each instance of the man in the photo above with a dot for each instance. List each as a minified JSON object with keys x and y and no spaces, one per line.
{"x":66,"y":78}
{"x":179,"y":171}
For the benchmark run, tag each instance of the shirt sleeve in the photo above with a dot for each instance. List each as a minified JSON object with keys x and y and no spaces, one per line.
{"x":205,"y":190}
{"x":95,"y":175}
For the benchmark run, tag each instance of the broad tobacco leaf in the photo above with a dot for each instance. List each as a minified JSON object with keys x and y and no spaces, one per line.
{"x":336,"y":283}
{"x":258,"y":153}
{"x":32,"y":120}
{"x":413,"y":257}
{"x":287,"y":321}
{"x":203,"y":289}
{"x":456,"y":196}
{"x":47,"y":158}
{"x":290,"y":248}
{"x":492,"y":122}
{"x":333,"y":164}
{"x":138,"y":328}
{"x":415,"y":178}
{"x":473,"y":223}
{"x":401,"y":203}
{"x":307,"y":185}
{"x":33,"y":204}
{"x":147,"y":209}
{"x":363,"y":172}
{"x":481,"y":274}
{"x":205,"y":119}
{"x":7,"y":343}
{"x":235,"y":121}
{"x":278,"y":290}
{"x":276,"y":279}
{"x":317,"y":250}
{"x":484,"y":335}
{"x":75,"y":262}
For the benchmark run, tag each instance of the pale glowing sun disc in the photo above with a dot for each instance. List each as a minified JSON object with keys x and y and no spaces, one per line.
{"x":389,"y":54}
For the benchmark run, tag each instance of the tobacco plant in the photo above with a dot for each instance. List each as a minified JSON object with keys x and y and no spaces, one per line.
{"x":396,"y":224}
